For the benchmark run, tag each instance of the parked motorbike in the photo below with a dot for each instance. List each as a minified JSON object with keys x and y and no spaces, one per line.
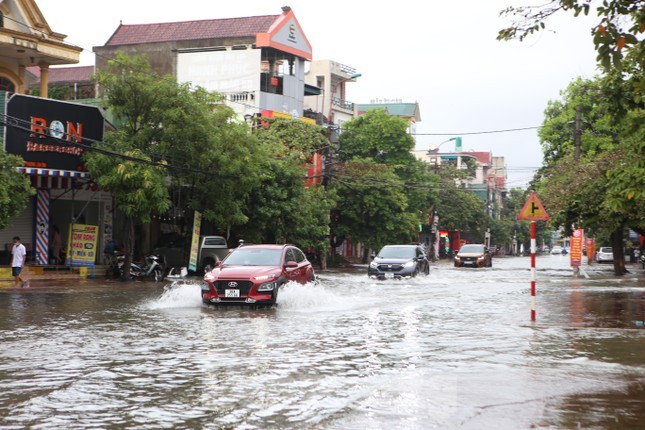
{"x":151,"y":267}
{"x":115,"y":259}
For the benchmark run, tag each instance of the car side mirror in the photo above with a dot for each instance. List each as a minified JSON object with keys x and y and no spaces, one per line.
{"x":291,"y":264}
{"x":373,"y":256}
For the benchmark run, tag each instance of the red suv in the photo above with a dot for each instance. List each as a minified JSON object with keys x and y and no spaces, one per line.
{"x":253,"y":274}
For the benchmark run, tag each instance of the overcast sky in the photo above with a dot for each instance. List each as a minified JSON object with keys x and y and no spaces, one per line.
{"x":441,"y":54}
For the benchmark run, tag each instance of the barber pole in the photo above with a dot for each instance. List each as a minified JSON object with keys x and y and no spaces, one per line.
{"x":42,"y":226}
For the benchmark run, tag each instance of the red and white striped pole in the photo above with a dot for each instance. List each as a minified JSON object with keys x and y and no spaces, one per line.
{"x":533,"y":249}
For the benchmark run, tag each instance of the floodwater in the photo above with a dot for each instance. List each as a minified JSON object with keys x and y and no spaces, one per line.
{"x":454,"y":350}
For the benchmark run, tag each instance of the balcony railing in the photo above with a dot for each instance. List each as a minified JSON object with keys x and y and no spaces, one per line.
{"x":342,"y":104}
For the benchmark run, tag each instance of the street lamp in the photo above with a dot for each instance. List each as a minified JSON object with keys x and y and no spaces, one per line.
{"x":333,"y":91}
{"x":435,"y":148}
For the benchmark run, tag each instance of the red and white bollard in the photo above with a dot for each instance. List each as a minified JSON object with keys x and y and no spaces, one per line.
{"x":533,"y":250}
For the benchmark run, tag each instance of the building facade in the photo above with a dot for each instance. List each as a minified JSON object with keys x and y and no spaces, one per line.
{"x":47,"y":134}
{"x":26,"y":40}
{"x":257,"y":63}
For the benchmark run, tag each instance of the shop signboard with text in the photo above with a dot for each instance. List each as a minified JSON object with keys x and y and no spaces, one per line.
{"x":81,"y":245}
{"x":51,"y":134}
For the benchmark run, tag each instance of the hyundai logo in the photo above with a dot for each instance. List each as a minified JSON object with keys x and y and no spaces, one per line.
{"x":232,"y":284}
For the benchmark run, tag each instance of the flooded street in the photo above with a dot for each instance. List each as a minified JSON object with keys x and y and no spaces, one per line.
{"x":456,"y":349}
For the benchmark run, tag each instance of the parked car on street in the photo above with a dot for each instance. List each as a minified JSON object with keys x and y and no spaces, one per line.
{"x":253,"y":275}
{"x":474,"y":255}
{"x":399,"y":261}
{"x":174,"y":251}
{"x":211,"y":250}
{"x":557,"y":250}
{"x":605,"y":254}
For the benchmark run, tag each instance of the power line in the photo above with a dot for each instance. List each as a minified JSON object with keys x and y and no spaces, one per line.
{"x":507,"y":130}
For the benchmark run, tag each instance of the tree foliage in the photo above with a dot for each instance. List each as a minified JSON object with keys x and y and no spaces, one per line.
{"x":384,"y":192}
{"x":373,"y":204}
{"x":280,"y":208}
{"x":601,"y":189}
{"x":619,"y":30}
{"x":169,"y":135}
{"x":15,"y":188}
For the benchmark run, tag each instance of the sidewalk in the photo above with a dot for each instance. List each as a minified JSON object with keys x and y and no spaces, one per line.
{"x":51,"y":273}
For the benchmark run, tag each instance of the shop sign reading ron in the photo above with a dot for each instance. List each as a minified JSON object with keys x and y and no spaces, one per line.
{"x":51,"y":134}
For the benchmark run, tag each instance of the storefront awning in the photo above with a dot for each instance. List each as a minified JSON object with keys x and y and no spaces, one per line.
{"x":52,"y":178}
{"x":32,"y":171}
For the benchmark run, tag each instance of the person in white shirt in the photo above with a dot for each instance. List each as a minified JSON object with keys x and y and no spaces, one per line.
{"x":19,"y":253}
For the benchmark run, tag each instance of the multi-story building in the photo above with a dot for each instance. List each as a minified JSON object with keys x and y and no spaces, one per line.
{"x":487,"y":174}
{"x":256,"y":62}
{"x":330,"y":104}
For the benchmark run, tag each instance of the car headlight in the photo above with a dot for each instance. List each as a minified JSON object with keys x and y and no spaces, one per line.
{"x":481,"y":257}
{"x":209,"y":277}
{"x":267,"y":286}
{"x":373,"y":264}
{"x":265,"y":277}
{"x":409,"y":264}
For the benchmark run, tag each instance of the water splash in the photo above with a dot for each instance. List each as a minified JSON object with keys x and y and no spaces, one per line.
{"x":179,"y":294}
{"x":311,"y":295}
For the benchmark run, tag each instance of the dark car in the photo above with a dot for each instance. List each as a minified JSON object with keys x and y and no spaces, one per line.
{"x":474,"y":255}
{"x":253,"y":274}
{"x":399,"y":261}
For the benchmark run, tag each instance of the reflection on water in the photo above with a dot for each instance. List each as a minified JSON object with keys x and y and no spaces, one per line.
{"x":455,"y":349}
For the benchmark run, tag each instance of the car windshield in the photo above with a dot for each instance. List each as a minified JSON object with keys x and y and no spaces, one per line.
{"x":253,"y":257}
{"x":605,"y":250}
{"x":472,"y":248}
{"x":397,"y":252}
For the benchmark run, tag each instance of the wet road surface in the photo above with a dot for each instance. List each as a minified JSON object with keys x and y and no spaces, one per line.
{"x":456,"y":349}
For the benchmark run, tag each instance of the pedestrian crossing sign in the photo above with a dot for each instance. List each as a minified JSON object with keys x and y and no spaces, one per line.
{"x":533,"y":210}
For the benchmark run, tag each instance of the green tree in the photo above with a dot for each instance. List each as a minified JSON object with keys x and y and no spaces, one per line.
{"x":611,"y":147}
{"x":621,"y":24}
{"x":384,"y":191}
{"x":280,"y":208}
{"x":600,"y":186}
{"x":171,"y":135}
{"x":15,"y":188}
{"x":212,"y":157}
{"x":373,"y":205}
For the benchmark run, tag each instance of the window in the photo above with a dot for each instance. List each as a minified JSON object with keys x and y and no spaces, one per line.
{"x":300,"y":257}
{"x":289,"y":256}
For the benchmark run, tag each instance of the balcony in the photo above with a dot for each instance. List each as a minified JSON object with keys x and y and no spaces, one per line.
{"x":338,"y":103}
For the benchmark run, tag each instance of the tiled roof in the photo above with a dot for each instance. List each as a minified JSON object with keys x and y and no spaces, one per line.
{"x":64,"y":74}
{"x":191,"y":30}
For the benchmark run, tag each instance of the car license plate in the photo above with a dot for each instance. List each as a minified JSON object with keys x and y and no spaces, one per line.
{"x":232,"y":293}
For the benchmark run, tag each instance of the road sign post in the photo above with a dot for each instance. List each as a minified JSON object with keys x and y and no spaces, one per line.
{"x":533,"y":211}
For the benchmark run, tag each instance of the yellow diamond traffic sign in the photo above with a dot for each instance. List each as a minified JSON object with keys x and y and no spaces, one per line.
{"x":533,"y":210}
